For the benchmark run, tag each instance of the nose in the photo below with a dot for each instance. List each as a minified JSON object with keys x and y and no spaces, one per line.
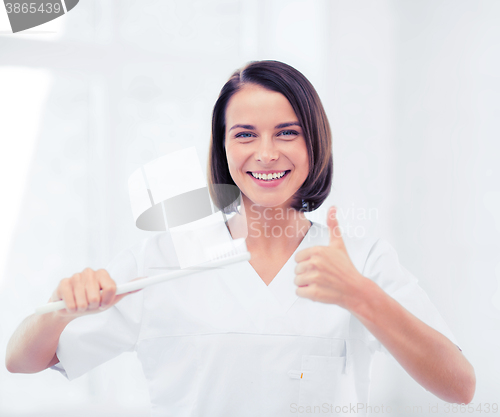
{"x":267,"y":151}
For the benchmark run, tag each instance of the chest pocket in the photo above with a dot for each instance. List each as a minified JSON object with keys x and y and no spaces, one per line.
{"x":323,"y":383}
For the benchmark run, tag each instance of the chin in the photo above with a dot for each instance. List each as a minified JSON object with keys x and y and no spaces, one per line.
{"x":271,"y":203}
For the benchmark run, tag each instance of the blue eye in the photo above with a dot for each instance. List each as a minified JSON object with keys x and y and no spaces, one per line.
{"x":288,"y":133}
{"x":242,"y":135}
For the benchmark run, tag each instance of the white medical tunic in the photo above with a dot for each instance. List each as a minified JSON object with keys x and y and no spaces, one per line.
{"x":223,"y":343}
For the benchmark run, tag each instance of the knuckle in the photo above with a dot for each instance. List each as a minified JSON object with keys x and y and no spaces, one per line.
{"x":65,"y":283}
{"x":315,"y":276}
{"x":76,"y":277}
{"x":110,"y":286}
{"x":107,"y":296}
{"x":81,"y":306}
{"x":87,"y":273}
{"x":94,"y":300}
{"x":102,"y":272}
{"x":320,"y":278}
{"x":105,"y":280}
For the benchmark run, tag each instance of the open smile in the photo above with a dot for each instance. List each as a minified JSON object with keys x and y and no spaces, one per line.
{"x":270,"y":179}
{"x":271,"y":176}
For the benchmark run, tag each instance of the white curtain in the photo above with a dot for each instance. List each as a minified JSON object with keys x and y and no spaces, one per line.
{"x":411,"y":90}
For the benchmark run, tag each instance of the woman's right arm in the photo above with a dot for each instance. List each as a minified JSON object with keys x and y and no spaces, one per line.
{"x":32,"y":347}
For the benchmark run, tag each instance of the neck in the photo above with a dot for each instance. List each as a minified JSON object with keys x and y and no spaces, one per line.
{"x":266,"y":228}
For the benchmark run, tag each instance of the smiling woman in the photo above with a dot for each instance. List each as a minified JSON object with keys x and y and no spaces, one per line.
{"x":261,"y":151}
{"x":272,"y":106}
{"x":270,"y":138}
{"x":292,"y":331}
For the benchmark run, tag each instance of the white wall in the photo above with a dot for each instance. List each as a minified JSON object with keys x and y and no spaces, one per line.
{"x":411,"y":90}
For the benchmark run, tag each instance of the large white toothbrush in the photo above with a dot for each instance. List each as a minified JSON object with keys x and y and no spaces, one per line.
{"x":221,"y":257}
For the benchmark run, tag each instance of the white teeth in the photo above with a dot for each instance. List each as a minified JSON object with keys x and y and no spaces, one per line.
{"x":267,"y":177}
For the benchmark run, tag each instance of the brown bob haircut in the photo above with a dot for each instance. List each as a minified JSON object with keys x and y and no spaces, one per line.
{"x":282,"y":78}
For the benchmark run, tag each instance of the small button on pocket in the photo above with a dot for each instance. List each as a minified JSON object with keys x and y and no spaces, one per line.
{"x":295,"y":374}
{"x":321,"y":379}
{"x":324,"y":383}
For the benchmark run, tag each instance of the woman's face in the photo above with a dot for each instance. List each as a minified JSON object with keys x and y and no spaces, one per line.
{"x":263,"y":136}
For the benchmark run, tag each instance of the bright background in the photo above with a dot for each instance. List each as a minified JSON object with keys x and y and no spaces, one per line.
{"x":411,"y":90}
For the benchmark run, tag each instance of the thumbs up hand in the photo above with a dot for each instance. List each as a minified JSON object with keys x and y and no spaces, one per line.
{"x":327,"y":274}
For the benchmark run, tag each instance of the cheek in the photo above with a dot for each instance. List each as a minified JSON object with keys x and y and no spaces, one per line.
{"x":228,"y":155}
{"x":234,"y":157}
{"x":233,"y":162}
{"x":302,"y":157}
{"x":230,"y":159}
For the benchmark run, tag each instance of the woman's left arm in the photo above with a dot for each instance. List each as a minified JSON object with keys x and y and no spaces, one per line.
{"x":429,"y":357}
{"x":327,"y":274}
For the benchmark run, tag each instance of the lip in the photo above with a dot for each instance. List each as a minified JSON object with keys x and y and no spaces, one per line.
{"x":269,"y":184}
{"x":269,"y":171}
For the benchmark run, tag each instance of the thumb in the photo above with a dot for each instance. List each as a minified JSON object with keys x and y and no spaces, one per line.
{"x":333,"y":225}
{"x":119,"y":297}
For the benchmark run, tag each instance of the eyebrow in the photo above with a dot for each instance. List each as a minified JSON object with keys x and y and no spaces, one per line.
{"x":280,"y":126}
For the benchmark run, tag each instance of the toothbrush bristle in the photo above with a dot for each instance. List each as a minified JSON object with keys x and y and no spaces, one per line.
{"x":227,"y":250}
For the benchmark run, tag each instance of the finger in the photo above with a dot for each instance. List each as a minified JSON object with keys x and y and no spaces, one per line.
{"x":65,"y":292}
{"x":310,"y":291}
{"x":92,"y":289}
{"x":334,"y":227}
{"x":305,"y":254}
{"x":134,"y":291}
{"x":130,"y":292}
{"x":314,"y":263}
{"x":108,"y":286}
{"x":140,"y":289}
{"x":303,"y":267}
{"x":313,"y":276}
{"x":117,"y":298}
{"x":79,"y":292}
{"x":302,"y":280}
{"x":57,"y":294}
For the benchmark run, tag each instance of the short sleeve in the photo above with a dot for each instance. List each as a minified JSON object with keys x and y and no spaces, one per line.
{"x":382,"y":266}
{"x":91,"y":340}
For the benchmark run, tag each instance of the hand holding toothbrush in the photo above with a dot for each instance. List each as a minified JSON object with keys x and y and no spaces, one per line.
{"x":91,"y":291}
{"x":87,"y":292}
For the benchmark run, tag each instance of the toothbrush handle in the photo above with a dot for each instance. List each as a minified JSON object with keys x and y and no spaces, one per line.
{"x":145,"y":282}
{"x":120,"y":289}
{"x":50,"y":307}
